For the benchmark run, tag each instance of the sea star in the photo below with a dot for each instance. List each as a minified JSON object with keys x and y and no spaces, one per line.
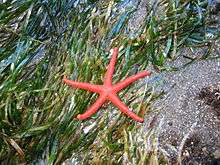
{"x":108,"y":91}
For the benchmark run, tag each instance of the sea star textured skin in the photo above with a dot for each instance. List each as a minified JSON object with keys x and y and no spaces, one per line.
{"x":108,"y":91}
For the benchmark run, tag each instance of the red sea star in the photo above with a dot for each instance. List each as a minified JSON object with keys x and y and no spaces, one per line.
{"x":107,"y":91}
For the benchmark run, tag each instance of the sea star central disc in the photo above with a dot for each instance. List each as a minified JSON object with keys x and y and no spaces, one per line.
{"x":108,"y":91}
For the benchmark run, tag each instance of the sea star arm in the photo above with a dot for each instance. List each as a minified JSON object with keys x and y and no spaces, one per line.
{"x":81,"y":85}
{"x":110,"y":70}
{"x":122,"y":107}
{"x":117,"y":87}
{"x":93,"y":109}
